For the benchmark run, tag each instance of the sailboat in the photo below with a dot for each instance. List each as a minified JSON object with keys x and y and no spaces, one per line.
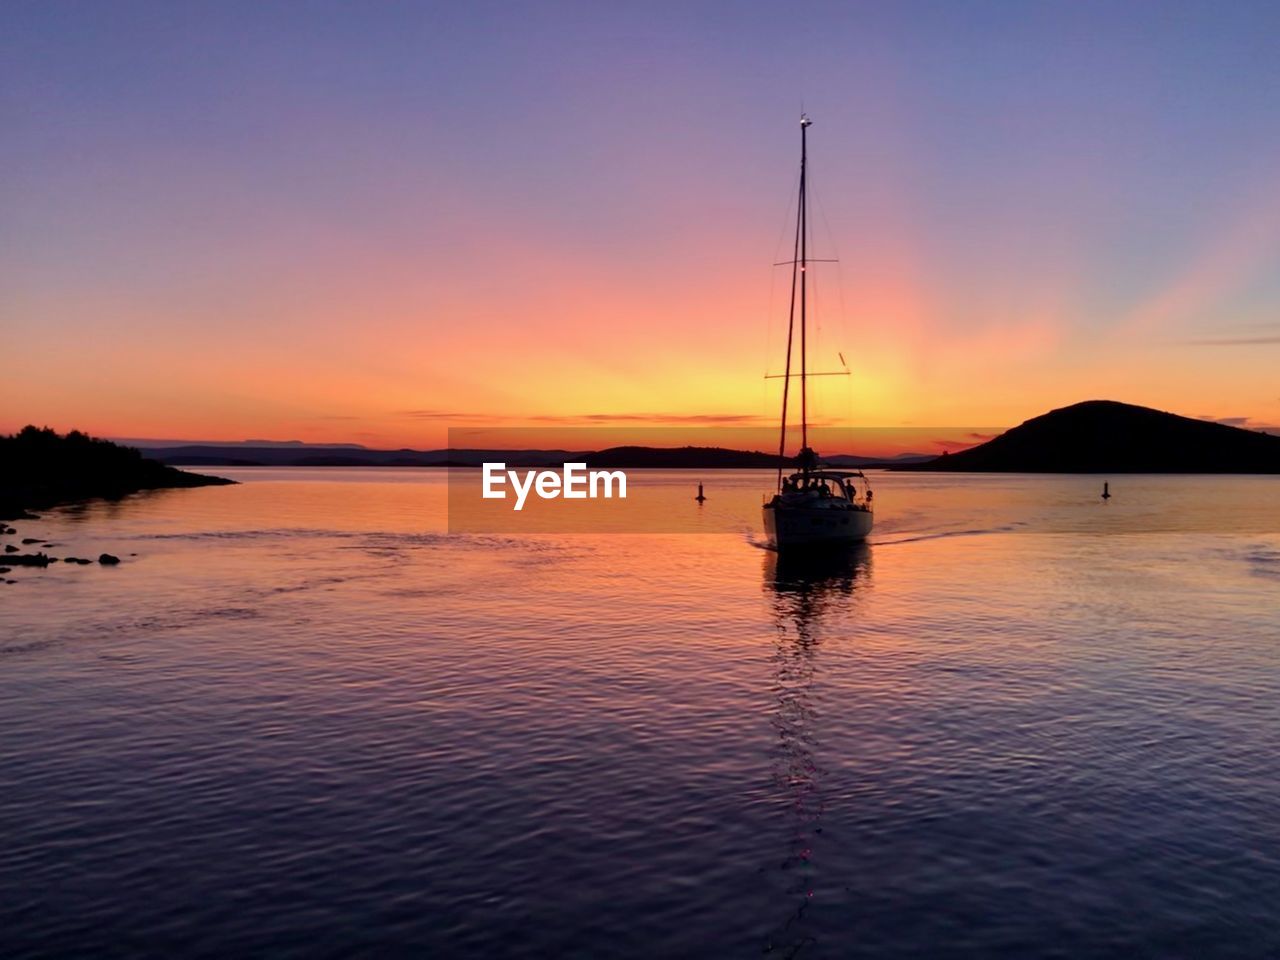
{"x":814,"y":506}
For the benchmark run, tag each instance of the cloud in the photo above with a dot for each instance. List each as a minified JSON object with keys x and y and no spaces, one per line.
{"x":441,"y":415}
{"x":1230,"y":341}
{"x":596,"y":419}
{"x":657,"y":418}
{"x":952,"y":446}
{"x":1228,"y":421}
{"x":1244,"y":423}
{"x":1238,"y":335}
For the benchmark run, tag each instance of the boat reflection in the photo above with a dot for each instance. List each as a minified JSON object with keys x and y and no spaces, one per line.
{"x":806,"y":585}
{"x":808,"y":594}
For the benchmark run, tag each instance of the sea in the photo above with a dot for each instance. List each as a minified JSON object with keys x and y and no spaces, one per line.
{"x":302,"y":718}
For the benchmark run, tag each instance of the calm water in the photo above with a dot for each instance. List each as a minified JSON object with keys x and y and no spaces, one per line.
{"x":304,"y":721}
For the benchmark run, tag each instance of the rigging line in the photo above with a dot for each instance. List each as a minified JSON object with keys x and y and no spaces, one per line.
{"x":845,"y":337}
{"x":786,"y":216}
{"x":773,"y":286}
{"x":815,"y":293}
{"x":843,"y":311}
{"x":835,"y":249}
{"x":768,"y":337}
{"x":791,"y":319}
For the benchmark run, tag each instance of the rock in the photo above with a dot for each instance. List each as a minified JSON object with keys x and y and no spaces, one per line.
{"x":80,"y":560}
{"x":27,"y":541}
{"x":4,"y":569}
{"x":107,"y":560}
{"x":28,"y":560}
{"x":10,"y":548}
{"x":11,"y":581}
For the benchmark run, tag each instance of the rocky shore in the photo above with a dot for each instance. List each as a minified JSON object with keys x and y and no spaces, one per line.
{"x":40,"y":469}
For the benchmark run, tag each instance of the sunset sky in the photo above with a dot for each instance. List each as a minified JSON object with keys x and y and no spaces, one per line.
{"x":368,"y":222}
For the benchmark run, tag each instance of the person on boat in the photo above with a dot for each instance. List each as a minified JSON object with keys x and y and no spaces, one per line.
{"x":807,"y":460}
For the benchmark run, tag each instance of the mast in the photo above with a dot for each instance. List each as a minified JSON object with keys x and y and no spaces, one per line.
{"x":804,"y":262}
{"x":798,"y":258}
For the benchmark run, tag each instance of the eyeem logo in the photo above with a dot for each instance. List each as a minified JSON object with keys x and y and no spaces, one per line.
{"x":575,"y":483}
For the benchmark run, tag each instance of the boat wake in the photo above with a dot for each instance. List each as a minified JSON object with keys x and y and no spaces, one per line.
{"x":943,"y":534}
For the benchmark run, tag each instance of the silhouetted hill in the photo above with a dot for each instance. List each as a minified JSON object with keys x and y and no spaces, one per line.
{"x":1103,"y":436}
{"x":40,"y":468}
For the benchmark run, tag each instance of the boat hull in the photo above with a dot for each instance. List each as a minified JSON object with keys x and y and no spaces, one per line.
{"x":789,"y":526}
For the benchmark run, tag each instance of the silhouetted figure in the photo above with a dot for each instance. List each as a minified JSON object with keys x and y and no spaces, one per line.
{"x":700,"y":497}
{"x":1106,"y":492}
{"x":807,"y":460}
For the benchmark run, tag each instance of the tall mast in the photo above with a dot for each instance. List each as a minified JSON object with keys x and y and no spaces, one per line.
{"x":804,"y":262}
{"x":797,"y":280}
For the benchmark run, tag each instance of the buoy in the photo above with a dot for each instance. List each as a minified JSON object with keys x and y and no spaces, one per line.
{"x":1106,"y":493}
{"x":699,"y":497}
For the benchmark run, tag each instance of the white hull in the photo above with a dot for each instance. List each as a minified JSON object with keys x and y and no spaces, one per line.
{"x":791,"y":525}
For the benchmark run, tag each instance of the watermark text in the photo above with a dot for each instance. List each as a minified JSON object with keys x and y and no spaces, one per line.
{"x":574,"y":482}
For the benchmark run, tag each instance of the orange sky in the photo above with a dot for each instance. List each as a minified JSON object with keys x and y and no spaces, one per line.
{"x":372,"y":231}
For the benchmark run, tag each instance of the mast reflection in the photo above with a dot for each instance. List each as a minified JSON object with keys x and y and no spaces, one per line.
{"x":808,"y":595}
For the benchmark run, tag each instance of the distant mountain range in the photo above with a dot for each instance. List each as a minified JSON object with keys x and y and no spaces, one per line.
{"x":633,"y":457}
{"x":1097,"y":436}
{"x":1103,"y":436}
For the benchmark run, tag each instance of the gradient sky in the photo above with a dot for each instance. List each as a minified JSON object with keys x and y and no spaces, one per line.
{"x":370,"y":221}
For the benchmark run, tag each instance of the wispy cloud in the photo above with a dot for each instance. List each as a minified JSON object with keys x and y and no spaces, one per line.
{"x":657,"y":418}
{"x":1237,"y":334}
{"x":1228,"y":421}
{"x":595,"y":419}
{"x":951,"y":446}
{"x":443,"y":415}
{"x":1244,"y":423}
{"x":1230,"y":341}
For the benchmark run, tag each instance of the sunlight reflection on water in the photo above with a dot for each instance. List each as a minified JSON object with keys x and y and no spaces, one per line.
{"x":303,"y":718}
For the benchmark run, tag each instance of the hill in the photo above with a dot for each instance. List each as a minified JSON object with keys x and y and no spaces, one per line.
{"x":40,"y":468}
{"x":1104,"y":436}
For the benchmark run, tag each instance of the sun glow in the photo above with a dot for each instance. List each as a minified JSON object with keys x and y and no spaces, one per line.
{"x":387,"y":266}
